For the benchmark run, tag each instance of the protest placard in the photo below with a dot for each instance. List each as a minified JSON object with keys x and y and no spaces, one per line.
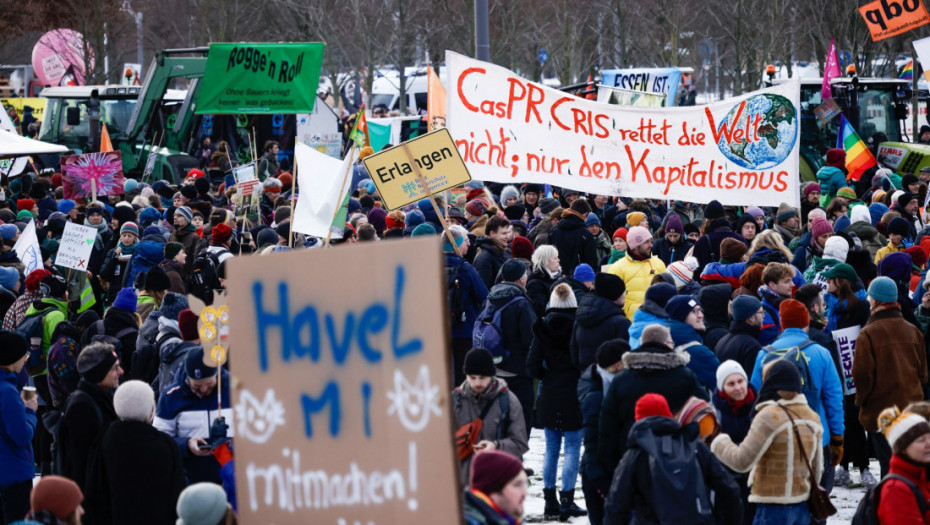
{"x":261,"y":78}
{"x":91,"y":174}
{"x":660,"y":80}
{"x":887,"y":18}
{"x":245,"y":178}
{"x":394,"y":173}
{"x":28,"y":250}
{"x":738,"y":151}
{"x":342,"y":414}
{"x":846,"y":344}
{"x":77,"y":242}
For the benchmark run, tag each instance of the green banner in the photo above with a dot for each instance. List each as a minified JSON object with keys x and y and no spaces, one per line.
{"x":261,"y":78}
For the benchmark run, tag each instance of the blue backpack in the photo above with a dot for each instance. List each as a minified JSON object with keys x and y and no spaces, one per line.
{"x":487,"y":333}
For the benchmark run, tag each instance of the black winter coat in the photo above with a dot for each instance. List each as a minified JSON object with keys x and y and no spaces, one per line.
{"x":517,"y":326}
{"x":549,"y":361}
{"x":590,"y":396}
{"x":596,"y":321}
{"x":741,"y":345}
{"x":81,"y":425}
{"x":489,"y":260}
{"x":669,"y":252}
{"x":115,"y":322}
{"x":715,"y":298}
{"x":134,"y":476}
{"x":538,"y":288}
{"x":575,"y":243}
{"x":651,"y":368}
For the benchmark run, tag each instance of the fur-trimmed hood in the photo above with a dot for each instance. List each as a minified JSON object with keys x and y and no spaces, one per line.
{"x":655,"y":356}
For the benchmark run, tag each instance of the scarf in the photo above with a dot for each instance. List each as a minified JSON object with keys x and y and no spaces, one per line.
{"x":189,"y":228}
{"x":102,"y":227}
{"x":615,"y":255}
{"x":818,"y":320}
{"x":127,"y":250}
{"x":606,"y":376}
{"x":490,"y":503}
{"x":786,"y":231}
{"x":816,"y":248}
{"x":736,"y":406}
{"x":632,"y":254}
{"x":554,"y":275}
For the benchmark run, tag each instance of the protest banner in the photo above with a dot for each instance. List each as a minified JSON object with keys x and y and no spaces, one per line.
{"x":58,"y":58}
{"x":245,"y":178}
{"x":625,"y":97}
{"x":342,"y":414}
{"x":887,"y":18}
{"x":27,"y":249}
{"x":261,"y":78}
{"x":323,"y":183}
{"x":16,"y":165}
{"x":394,"y":171}
{"x":77,"y":241}
{"x":662,"y":81}
{"x":739,"y":151}
{"x":846,"y":345}
{"x":37,"y":104}
{"x":91,"y":174}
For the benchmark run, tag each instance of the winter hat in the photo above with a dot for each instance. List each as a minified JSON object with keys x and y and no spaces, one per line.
{"x":660,"y":293}
{"x":820,"y":226}
{"x":508,"y":192}
{"x":25,"y":205}
{"x":56,"y":494}
{"x":512,"y":271}
{"x":395,"y":219}
{"x":878,"y":196}
{"x":479,"y":362}
{"x":811,"y":188}
{"x":909,"y":178}
{"x":713,"y":210}
{"x":377,"y":217}
{"x":896,"y":266}
{"x":8,"y":231}
{"x":185,"y":211}
{"x":635,"y":218}
{"x":354,"y":206}
{"x":732,"y":250}
{"x":696,"y":410}
{"x":201,"y":504}
{"x":680,"y":306}
{"x":901,"y":429}
{"x":9,"y":276}
{"x":781,"y":374}
{"x":35,"y":278}
{"x":793,"y":314}
{"x":683,"y":271}
{"x":918,"y":257}
{"x":475,"y":207}
{"x":521,"y":247}
{"x":836,"y":157}
{"x":172,"y":305}
{"x":609,"y":286}
{"x":194,"y":365}
{"x":172,"y":249}
{"x":591,"y":220}
{"x":220,"y":233}
{"x":898,"y":226}
{"x":860,"y":214}
{"x":883,"y":290}
{"x":728,"y":368}
{"x":651,"y":405}
{"x":156,"y":280}
{"x":189,"y":191}
{"x":415,"y":218}
{"x":562,"y":297}
{"x":673,"y":224}
{"x":836,"y":248}
{"x":755,"y":211}
{"x":610,"y":352}
{"x":95,"y":361}
{"x":134,"y":401}
{"x":847,"y":193}
{"x":12,"y":348}
{"x":905,"y":198}
{"x":130,"y":227}
{"x":53,"y":286}
{"x":895,"y":195}
{"x":423,"y":229}
{"x":841,"y":271}
{"x":187,"y":325}
{"x":584,"y":273}
{"x":692,"y":228}
{"x":637,"y":236}
{"x":153,"y":230}
{"x":620,"y":232}
{"x":202,"y":185}
{"x":66,"y":205}
{"x":266,"y":237}
{"x":785,"y":212}
{"x":744,"y":307}
{"x":548,"y":205}
{"x":491,"y":470}
{"x":126,"y":299}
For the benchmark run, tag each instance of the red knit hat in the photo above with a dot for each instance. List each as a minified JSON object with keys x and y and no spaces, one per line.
{"x":25,"y":204}
{"x":651,"y":405}
{"x":475,"y":207}
{"x":56,"y":494}
{"x":793,"y":314}
{"x":621,"y":232}
{"x":475,"y":193}
{"x":395,"y":219}
{"x":221,"y":233}
{"x":918,"y":257}
{"x":521,"y":248}
{"x":836,"y":157}
{"x":491,"y":470}
{"x":34,"y":279}
{"x":195,"y":173}
{"x":56,"y":180}
{"x":286,"y":179}
{"x":187,"y":325}
{"x":820,"y":226}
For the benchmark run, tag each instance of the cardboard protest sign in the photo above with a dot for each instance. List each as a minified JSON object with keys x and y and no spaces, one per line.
{"x":394,"y":173}
{"x":662,"y":81}
{"x":261,"y":78}
{"x":28,"y":250}
{"x":343,"y":412}
{"x":846,"y":344}
{"x":82,"y":175}
{"x":738,"y":151}
{"x":77,"y":242}
{"x":887,"y":18}
{"x":245,"y":178}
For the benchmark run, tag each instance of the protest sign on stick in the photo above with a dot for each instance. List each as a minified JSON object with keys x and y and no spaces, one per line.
{"x":342,"y":413}
{"x":77,"y":242}
{"x":846,"y":344}
{"x":92,"y":174}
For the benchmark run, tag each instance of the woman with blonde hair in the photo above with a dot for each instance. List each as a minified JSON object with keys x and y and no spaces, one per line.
{"x":545,"y":272}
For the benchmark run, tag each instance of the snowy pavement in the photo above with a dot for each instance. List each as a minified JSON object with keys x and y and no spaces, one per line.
{"x":845,"y":499}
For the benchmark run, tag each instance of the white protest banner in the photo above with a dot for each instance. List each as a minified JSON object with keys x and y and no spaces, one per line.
{"x":77,"y":242}
{"x":343,"y":413}
{"x":27,"y":249}
{"x":660,"y":80}
{"x":739,"y":151}
{"x":14,"y":166}
{"x":322,"y":189}
{"x":846,"y":344}
{"x":922,"y":47}
{"x":245,"y":178}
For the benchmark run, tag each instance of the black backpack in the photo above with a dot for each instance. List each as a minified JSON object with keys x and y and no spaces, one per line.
{"x":456,"y":294}
{"x":202,"y":279}
{"x":796,"y":356}
{"x":675,"y":470}
{"x":867,"y":511}
{"x":488,"y":333}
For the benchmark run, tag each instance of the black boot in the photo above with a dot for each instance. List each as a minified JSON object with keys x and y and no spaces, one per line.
{"x":567,"y":507}
{"x":552,"y":510}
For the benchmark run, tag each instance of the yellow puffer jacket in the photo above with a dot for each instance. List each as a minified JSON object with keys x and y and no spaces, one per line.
{"x":636,"y":276}
{"x":888,"y":248}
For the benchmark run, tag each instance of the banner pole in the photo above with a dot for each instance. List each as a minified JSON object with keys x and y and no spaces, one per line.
{"x":429,"y":194}
{"x":290,"y":240}
{"x":93,"y":190}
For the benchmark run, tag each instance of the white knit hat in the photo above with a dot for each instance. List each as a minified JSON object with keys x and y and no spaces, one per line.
{"x":726,"y":369}
{"x":562,"y":296}
{"x":134,"y":401}
{"x":836,"y":248}
{"x":683,"y":271}
{"x":901,"y":429}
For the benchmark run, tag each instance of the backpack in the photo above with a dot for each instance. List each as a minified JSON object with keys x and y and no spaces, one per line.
{"x":467,"y":435}
{"x":675,"y":470}
{"x":31,"y":329}
{"x":487,"y":333}
{"x":794,"y":354}
{"x":456,"y":294}
{"x":202,"y":279}
{"x":170,"y":360}
{"x":101,"y":336}
{"x":867,"y":510}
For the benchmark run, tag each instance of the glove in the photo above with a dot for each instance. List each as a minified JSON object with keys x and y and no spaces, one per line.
{"x":218,"y":432}
{"x":836,"y":450}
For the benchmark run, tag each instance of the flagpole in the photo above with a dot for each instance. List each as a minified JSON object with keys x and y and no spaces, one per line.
{"x":290,"y":240}
{"x":342,"y":188}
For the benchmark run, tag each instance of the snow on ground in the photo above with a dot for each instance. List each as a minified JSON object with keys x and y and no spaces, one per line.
{"x":845,"y":499}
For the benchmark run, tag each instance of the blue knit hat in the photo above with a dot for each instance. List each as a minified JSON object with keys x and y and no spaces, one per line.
{"x":8,"y":231}
{"x":172,"y":305}
{"x":149,"y":215}
{"x":883,"y":290}
{"x":8,"y":276}
{"x":66,"y":205}
{"x":680,"y":306}
{"x":423,"y":229}
{"x":744,"y":306}
{"x":126,"y":299}
{"x":584,"y":273}
{"x":415,"y":218}
{"x":660,"y":293}
{"x":592,"y":220}
{"x":896,"y":266}
{"x":195,"y":367}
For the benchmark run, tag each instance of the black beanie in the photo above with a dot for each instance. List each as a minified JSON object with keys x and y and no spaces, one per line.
{"x":202,"y":185}
{"x":479,"y":362}
{"x":95,"y":361}
{"x":12,"y":348}
{"x":189,"y":191}
{"x":611,"y":352}
{"x":780,"y":375}
{"x":608,"y":286}
{"x":713,"y":210}
{"x":157,"y":280}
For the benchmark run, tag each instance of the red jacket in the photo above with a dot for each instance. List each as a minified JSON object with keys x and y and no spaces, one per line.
{"x":898,"y":504}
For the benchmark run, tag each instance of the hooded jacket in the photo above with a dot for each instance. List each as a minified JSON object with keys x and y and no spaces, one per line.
{"x":491,"y":256}
{"x":897,"y":503}
{"x":649,"y":313}
{"x":637,"y":276}
{"x":740,"y":345}
{"x":549,"y":361}
{"x":597,"y":320}
{"x":474,"y":294}
{"x":707,"y":248}
{"x":831,"y":179}
{"x":703,"y":362}
{"x":575,"y":243}
{"x":148,"y":253}
{"x":538,"y":287}
{"x":715,"y":299}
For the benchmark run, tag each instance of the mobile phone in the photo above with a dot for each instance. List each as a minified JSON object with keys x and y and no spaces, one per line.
{"x":204,"y":446}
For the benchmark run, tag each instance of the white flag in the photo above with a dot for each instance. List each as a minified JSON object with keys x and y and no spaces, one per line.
{"x":14,"y":166}
{"x":27,"y":248}
{"x":319,"y":181}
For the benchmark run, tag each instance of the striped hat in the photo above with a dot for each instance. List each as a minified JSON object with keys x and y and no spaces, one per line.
{"x":185,"y":212}
{"x":901,"y":429}
{"x":696,"y":410}
{"x":683,"y":271}
{"x":130,"y":227}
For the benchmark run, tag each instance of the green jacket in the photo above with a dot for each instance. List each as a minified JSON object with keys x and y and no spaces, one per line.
{"x":52,"y":318}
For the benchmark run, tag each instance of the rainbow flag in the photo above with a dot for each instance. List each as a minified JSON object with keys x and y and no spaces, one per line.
{"x":858,"y":157}
{"x":908,"y":72}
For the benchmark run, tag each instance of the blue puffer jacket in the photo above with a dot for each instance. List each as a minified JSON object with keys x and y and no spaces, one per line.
{"x":703,"y":361}
{"x":148,"y":253}
{"x":17,"y":426}
{"x":828,"y":399}
{"x":831,"y":180}
{"x":648,"y":313}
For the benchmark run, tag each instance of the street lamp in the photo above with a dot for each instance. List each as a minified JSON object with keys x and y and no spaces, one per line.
{"x":137,"y":16}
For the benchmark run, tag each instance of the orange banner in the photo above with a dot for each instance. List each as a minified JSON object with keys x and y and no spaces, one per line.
{"x":887,"y":18}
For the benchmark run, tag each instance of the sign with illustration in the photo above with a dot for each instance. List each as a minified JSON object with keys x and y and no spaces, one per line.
{"x":58,"y":58}
{"x":90,"y":174}
{"x":342,"y":413}
{"x":738,"y":151}
{"x":77,"y":242}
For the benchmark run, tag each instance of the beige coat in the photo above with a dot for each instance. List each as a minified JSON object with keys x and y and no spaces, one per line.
{"x":777,"y":473}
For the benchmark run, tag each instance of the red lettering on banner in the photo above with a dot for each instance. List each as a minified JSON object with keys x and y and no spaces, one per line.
{"x":512,"y":95}
{"x":532,"y":103}
{"x":554,"y":107}
{"x":468,"y":105}
{"x":598,"y":169}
